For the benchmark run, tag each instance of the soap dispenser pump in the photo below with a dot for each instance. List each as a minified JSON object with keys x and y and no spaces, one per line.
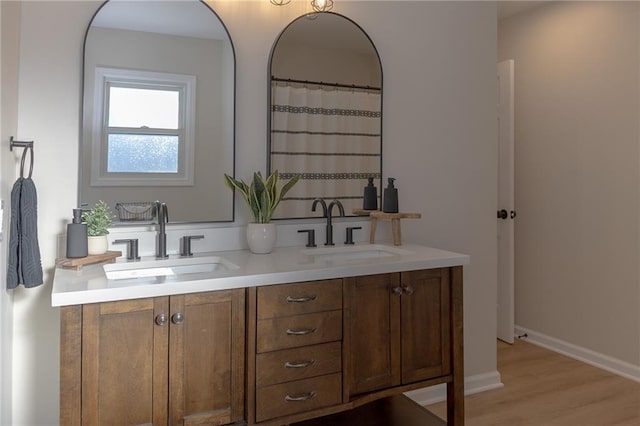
{"x":77,"y":236}
{"x":390,"y":199}
{"x":370,"y":201}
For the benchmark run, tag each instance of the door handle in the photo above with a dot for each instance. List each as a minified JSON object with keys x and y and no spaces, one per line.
{"x":502,"y":214}
{"x":512,"y":214}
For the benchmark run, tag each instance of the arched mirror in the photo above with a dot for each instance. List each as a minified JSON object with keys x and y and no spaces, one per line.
{"x":325,"y":112}
{"x":158,"y":111}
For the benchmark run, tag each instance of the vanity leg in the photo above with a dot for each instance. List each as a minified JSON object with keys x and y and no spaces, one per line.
{"x":372,"y":233}
{"x":71,"y":365}
{"x":397,"y":233}
{"x":455,"y":388}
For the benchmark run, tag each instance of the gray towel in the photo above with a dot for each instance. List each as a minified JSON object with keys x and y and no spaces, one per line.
{"x":24,"y":266}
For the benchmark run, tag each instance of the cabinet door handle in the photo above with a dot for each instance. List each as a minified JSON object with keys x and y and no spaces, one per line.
{"x":301,"y":299}
{"x":397,"y":291}
{"x":408,"y":289}
{"x":300,"y":398}
{"x":301,"y":332}
{"x":161,"y":319}
{"x":299,"y":364}
{"x":177,"y":318}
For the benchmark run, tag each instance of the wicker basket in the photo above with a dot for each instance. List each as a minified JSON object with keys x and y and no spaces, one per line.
{"x":136,"y":211}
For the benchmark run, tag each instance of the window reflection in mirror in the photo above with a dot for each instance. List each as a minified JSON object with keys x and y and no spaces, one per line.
{"x":177,"y":150}
{"x":325,"y":112}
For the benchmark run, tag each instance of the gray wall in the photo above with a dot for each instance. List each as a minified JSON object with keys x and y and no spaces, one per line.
{"x":9,"y":26}
{"x":577,"y":173}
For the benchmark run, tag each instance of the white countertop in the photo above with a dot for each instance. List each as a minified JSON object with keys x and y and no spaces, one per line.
{"x":283,"y":265}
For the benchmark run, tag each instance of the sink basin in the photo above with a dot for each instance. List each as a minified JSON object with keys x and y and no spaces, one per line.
{"x":167,"y":268}
{"x":368,"y":251}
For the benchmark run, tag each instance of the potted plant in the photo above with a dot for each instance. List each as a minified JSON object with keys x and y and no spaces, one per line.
{"x":98,"y":221}
{"x":262,"y":196}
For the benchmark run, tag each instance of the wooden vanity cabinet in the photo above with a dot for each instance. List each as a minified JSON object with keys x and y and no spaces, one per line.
{"x":398,"y":329}
{"x":404,"y":331}
{"x":312,"y":349}
{"x":294,"y":349}
{"x":175,"y":360}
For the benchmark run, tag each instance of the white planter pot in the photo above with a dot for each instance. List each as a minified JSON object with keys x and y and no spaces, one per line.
{"x":261,"y":237}
{"x":97,"y":245}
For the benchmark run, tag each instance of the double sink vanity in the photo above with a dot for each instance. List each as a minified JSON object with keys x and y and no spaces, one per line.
{"x":231,"y":337}
{"x":273,"y":339}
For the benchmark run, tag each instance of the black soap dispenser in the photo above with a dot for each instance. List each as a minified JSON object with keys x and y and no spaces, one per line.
{"x":370,"y":201}
{"x":390,"y":199}
{"x":77,"y":236}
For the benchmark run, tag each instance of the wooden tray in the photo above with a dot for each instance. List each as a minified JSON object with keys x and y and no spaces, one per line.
{"x":78,"y":263}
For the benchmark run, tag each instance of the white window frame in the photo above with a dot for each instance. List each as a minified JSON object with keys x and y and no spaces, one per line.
{"x":186,"y":84}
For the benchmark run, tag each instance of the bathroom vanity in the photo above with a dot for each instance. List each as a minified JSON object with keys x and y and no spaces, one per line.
{"x":263,"y":339}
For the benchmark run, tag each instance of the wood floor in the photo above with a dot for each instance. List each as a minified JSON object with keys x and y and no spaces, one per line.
{"x":543,"y":388}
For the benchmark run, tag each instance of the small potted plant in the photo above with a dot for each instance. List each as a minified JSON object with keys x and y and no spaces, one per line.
{"x":262,"y":197}
{"x":98,"y":221}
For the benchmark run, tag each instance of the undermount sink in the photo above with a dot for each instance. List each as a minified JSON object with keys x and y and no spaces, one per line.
{"x":167,"y":268}
{"x":368,"y":251}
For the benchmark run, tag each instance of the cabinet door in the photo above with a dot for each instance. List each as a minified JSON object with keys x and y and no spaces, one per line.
{"x":124,"y":363}
{"x":425,"y":325}
{"x":207,"y":358}
{"x":372,"y":313}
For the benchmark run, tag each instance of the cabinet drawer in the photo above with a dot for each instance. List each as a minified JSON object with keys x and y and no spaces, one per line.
{"x":300,"y":298}
{"x":297,"y":397}
{"x":300,"y":330}
{"x":299,"y":363}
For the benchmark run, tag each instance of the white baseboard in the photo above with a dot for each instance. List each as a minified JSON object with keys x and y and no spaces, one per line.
{"x":596,"y":359}
{"x":472,"y":384}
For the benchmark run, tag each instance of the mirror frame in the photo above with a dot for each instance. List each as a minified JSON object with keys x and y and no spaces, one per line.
{"x":81,"y":115}
{"x":269,"y":113}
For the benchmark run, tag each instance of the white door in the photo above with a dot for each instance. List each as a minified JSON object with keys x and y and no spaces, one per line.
{"x":506,"y":205}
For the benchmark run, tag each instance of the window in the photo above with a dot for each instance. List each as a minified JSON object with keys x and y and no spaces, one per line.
{"x":144,"y":127}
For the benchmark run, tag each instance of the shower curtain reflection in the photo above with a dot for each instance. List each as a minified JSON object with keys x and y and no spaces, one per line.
{"x":331,"y":136}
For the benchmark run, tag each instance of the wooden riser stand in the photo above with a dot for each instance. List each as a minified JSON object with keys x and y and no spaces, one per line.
{"x":393,"y":217}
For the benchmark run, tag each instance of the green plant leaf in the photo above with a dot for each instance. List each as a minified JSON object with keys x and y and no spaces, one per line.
{"x":98,"y":219}
{"x":262,"y":195}
{"x":286,"y":188}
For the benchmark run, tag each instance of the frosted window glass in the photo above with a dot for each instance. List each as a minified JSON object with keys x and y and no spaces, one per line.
{"x":135,"y":153}
{"x":137,"y":108}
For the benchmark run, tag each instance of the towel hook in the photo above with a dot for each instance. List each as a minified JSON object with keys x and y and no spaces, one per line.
{"x":28,"y":146}
{"x":19,"y":144}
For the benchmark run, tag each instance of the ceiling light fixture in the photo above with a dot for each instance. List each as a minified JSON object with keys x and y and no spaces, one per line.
{"x":322,"y":5}
{"x":280,"y":2}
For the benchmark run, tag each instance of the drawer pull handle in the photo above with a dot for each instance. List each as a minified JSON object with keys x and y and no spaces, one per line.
{"x":299,"y":364}
{"x":300,"y":398}
{"x":301,"y":299}
{"x":300,"y":332}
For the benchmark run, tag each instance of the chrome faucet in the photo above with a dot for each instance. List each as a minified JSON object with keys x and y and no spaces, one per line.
{"x":163,"y":218}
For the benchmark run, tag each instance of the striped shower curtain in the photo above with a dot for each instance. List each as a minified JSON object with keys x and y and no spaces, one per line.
{"x":329,"y":135}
